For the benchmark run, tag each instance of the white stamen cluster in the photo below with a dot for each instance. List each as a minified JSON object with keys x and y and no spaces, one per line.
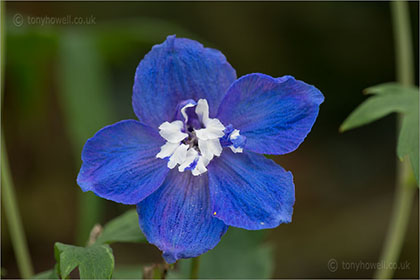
{"x":199,"y":146}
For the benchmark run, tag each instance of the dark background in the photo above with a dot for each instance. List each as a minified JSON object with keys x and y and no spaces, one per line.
{"x":344,"y":182}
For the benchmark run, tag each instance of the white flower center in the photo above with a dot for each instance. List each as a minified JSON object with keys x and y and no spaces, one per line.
{"x":192,"y":147}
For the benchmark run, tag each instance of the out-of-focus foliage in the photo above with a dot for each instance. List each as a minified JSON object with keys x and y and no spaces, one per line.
{"x":124,"y":228}
{"x":392,"y":98}
{"x":240,"y":254}
{"x":346,"y":181}
{"x":81,"y":93}
{"x":128,"y":272}
{"x":31,"y":76}
{"x":48,"y":274}
{"x":97,"y":260}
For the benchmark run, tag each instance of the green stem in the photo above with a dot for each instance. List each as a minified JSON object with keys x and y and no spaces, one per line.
{"x":403,"y":43}
{"x":195,"y":266}
{"x":17,"y":235}
{"x":396,"y":232}
{"x":405,"y":191}
{"x":3,"y":45}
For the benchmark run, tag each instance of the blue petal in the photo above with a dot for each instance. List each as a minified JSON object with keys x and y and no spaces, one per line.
{"x":119,"y":162}
{"x":177,"y":218}
{"x":250,"y":191}
{"x":275,"y":115}
{"x":176,"y":70}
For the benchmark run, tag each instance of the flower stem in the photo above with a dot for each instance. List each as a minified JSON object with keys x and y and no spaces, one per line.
{"x":3,"y":45}
{"x":403,"y":43}
{"x":195,"y":266}
{"x":17,"y":235}
{"x":11,"y":210}
{"x":405,"y":189}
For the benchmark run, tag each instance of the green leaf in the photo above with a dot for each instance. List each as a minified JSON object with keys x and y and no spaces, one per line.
{"x":240,"y":254}
{"x":392,"y":98}
{"x":49,"y":274}
{"x":95,"y":262}
{"x":124,"y":228}
{"x":384,"y":102}
{"x":408,"y":140}
{"x":390,"y":88}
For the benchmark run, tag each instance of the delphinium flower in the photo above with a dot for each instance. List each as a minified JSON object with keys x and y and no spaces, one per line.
{"x":193,"y":162}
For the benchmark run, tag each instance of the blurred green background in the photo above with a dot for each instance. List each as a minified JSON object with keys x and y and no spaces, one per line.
{"x":63,"y":82}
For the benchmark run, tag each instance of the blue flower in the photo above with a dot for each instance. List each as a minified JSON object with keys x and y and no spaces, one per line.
{"x":193,"y":162}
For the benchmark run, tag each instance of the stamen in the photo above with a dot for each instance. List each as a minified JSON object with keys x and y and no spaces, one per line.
{"x":195,"y":141}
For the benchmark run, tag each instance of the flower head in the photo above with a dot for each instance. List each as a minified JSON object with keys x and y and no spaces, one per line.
{"x":193,"y":162}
